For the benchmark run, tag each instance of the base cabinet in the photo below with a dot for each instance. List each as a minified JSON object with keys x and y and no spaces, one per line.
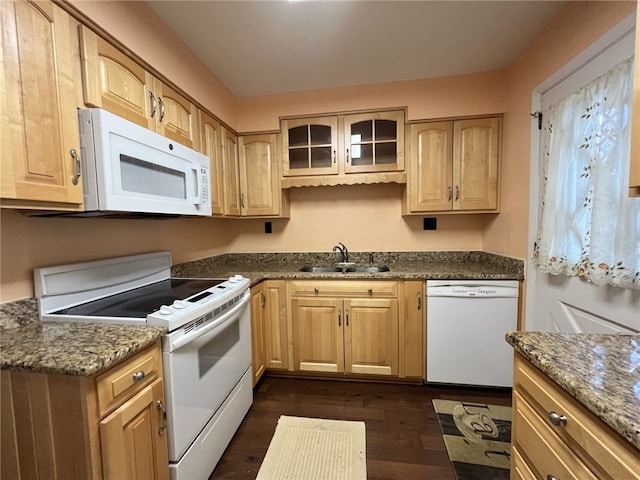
{"x":68,"y":427}
{"x":553,"y":436}
{"x":345,"y":327}
{"x":269,"y":328}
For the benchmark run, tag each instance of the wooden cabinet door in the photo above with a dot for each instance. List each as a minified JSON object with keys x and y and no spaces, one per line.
{"x":475,"y":163}
{"x":134,"y":438}
{"x":211,"y":146}
{"x":39,"y":123}
{"x":317,"y":334}
{"x":374,"y":142}
{"x":231,"y":174}
{"x":430,"y":177}
{"x":371,"y":336}
{"x":310,"y":146}
{"x":412,"y":337}
{"x":115,"y":82}
{"x":258,"y":314}
{"x":276,"y":331}
{"x":259,"y":175}
{"x":177,"y":117}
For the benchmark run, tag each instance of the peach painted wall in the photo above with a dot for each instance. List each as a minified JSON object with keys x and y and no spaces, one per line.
{"x":576,"y":26}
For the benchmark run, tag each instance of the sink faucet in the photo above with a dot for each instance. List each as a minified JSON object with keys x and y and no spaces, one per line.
{"x":344,"y":253}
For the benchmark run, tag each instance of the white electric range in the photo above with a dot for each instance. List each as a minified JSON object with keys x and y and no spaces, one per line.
{"x":206,"y":350}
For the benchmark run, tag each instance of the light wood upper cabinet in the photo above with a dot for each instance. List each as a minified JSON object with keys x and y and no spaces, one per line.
{"x":114,"y":81}
{"x":634,"y":171}
{"x":454,"y":166}
{"x":211,"y":146}
{"x":39,"y":124}
{"x":343,"y":149}
{"x":231,"y":173}
{"x":260,"y":192}
{"x":310,"y":146}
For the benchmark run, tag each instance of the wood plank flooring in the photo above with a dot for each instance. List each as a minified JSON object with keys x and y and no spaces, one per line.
{"x":403,"y":436}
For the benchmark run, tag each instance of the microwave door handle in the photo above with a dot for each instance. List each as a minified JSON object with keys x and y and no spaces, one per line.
{"x":197,"y":199}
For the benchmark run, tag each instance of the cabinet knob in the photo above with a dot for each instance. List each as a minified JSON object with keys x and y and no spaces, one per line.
{"x":419,"y":300}
{"x":551,"y":477}
{"x":457,"y":193}
{"x":163,"y":412}
{"x":449,"y":193}
{"x":558,"y":420}
{"x":138,"y":376}
{"x":154,"y":105}
{"x":370,"y":291}
{"x":316,"y":290}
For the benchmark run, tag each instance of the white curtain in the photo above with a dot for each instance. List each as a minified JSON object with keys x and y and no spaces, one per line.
{"x":588,"y":225}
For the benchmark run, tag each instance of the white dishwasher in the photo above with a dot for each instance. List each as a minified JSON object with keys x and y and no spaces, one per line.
{"x":466,"y":324}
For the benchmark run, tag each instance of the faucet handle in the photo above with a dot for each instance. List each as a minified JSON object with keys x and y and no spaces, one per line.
{"x":370,"y":258}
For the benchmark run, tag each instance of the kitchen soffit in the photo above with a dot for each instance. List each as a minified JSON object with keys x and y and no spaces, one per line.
{"x":269,"y":47}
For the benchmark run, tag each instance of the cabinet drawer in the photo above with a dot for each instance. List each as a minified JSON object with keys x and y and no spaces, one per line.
{"x":542,"y":447}
{"x":344,"y":288}
{"x":599,"y":446}
{"x":126,"y":379}
{"x":519,"y":468}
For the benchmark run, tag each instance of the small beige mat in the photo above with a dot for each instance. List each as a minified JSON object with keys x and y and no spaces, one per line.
{"x":315,"y":449}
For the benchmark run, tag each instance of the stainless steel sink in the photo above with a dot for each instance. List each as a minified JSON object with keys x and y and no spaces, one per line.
{"x":369,"y":269}
{"x":334,"y":269}
{"x":321,"y":269}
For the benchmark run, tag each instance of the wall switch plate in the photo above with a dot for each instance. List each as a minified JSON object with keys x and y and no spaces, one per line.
{"x":267,"y":227}
{"x":429,"y":223}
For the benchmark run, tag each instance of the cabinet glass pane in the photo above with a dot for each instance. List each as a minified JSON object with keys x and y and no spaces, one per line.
{"x":299,"y":136}
{"x":362,"y":132}
{"x":386,"y":153}
{"x":320,"y":134}
{"x":386,"y":130}
{"x":298,"y":158}
{"x":362,"y":155}
{"x":320,"y":157}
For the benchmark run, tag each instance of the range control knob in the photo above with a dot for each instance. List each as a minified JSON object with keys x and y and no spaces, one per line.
{"x":238,"y":277}
{"x":233,"y":280}
{"x":178,"y":304}
{"x":165,"y":310}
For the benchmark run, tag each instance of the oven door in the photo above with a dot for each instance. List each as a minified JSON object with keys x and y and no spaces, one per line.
{"x":201,"y":372}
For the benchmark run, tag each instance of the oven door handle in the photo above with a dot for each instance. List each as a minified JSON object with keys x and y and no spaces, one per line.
{"x":203,"y":335}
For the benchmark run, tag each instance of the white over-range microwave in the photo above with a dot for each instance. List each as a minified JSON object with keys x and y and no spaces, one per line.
{"x":128,"y":169}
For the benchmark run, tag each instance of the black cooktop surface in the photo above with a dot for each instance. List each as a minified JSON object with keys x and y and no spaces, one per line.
{"x":140,"y":302}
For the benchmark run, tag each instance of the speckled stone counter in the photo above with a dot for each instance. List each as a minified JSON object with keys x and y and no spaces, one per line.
{"x":66,"y":348}
{"x":602,"y":372}
{"x":403,"y":265}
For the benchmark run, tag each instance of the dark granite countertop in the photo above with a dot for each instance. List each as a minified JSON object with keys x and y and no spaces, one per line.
{"x":602,"y":372}
{"x":26,"y":344}
{"x":403,"y":265}
{"x":65,"y":348}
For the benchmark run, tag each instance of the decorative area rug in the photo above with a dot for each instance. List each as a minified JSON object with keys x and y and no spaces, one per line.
{"x":477,"y":437}
{"x":315,"y":449}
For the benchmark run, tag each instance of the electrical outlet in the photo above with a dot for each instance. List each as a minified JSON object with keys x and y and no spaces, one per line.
{"x":267,"y":227}
{"x":429,"y":223}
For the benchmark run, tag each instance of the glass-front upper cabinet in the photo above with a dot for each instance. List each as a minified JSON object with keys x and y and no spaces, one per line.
{"x":374,"y":142}
{"x":310,"y":146}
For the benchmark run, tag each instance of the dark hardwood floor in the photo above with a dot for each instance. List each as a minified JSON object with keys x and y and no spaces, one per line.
{"x":403,"y":435}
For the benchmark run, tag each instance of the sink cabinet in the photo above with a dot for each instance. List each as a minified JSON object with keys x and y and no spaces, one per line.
{"x":39,"y":124}
{"x":345,"y":326}
{"x":73,"y":427}
{"x":454,"y":166}
{"x":343,"y":149}
{"x":553,"y":436}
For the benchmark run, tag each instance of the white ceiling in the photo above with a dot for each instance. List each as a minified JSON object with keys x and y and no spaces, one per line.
{"x":267,"y":47}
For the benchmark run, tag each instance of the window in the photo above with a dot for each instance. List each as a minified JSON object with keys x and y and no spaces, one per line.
{"x":588,"y":226}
